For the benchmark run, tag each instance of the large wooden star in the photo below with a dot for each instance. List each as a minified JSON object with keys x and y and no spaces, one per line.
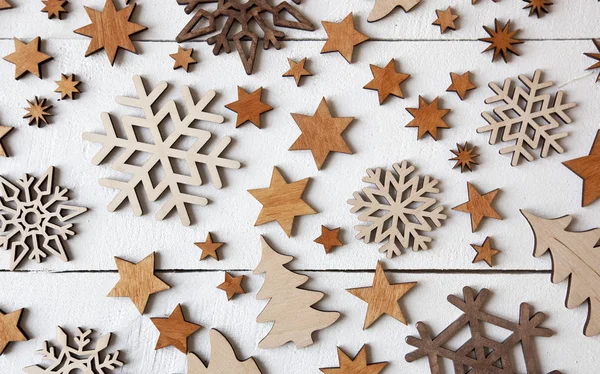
{"x":356,"y":365}
{"x":282,"y":202}
{"x":110,"y":30}
{"x":428,"y":118}
{"x":479,"y":206}
{"x":386,"y":81}
{"x":342,"y":37}
{"x":485,"y":252}
{"x":137,"y":281}
{"x":248,"y":107}
{"x":321,"y":133}
{"x":10,"y":330}
{"x":27,"y":58}
{"x":382,"y":297}
{"x":3,"y":131}
{"x":588,"y":168}
{"x":174,"y":330}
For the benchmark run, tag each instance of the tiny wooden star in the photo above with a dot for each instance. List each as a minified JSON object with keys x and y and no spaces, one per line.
{"x":465,"y":157}
{"x":342,"y":37}
{"x":209,"y":248}
{"x":329,"y":238}
{"x":4,"y":130}
{"x":386,"y":81}
{"x":37,"y":111}
{"x":183,"y":58}
{"x":4,"y":4}
{"x":501,"y":40}
{"x":595,"y":56}
{"x":67,"y":86}
{"x":248,"y":107}
{"x":479,"y":206}
{"x":356,"y":365}
{"x":297,"y":70}
{"x":428,"y":118}
{"x":27,"y":58}
{"x":485,"y":252}
{"x":174,"y":330}
{"x":382,"y":297}
{"x":10,"y":330}
{"x":588,"y":168}
{"x":232,"y":285}
{"x":54,"y":8}
{"x":461,"y":84}
{"x":537,"y":6}
{"x":445,"y":19}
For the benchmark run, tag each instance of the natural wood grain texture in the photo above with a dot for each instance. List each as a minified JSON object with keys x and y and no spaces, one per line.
{"x":461,"y":84}
{"x":4,"y":4}
{"x":329,"y":238}
{"x":382,"y":297}
{"x":282,"y":202}
{"x":595,"y":56}
{"x":502,"y":40}
{"x":110,"y":30}
{"x":27,"y":58}
{"x":287,"y":302}
{"x":342,"y":37}
{"x":588,"y":168}
{"x":4,"y":130}
{"x":321,"y":133}
{"x":382,"y":8}
{"x":297,"y":70}
{"x":223,"y":359}
{"x":54,"y":8}
{"x":67,"y":86}
{"x":232,"y":285}
{"x":445,"y":19}
{"x":428,"y":118}
{"x":209,"y":248}
{"x":356,"y":365}
{"x":485,"y":252}
{"x":137,"y":281}
{"x":174,"y":330}
{"x":183,"y":58}
{"x":538,"y":7}
{"x":479,"y":206}
{"x":386,"y":81}
{"x":249,"y":107}
{"x":38,"y":111}
{"x":464,"y":156}
{"x":10,"y":331}
{"x":576,"y":257}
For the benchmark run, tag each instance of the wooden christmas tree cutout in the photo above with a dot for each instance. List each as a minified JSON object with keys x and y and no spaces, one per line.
{"x":428,"y":118}
{"x":174,"y":330}
{"x":232,"y":285}
{"x":356,"y":365}
{"x":576,"y":257}
{"x":4,"y":4}
{"x":54,"y":8}
{"x":137,"y":281}
{"x":382,"y":8}
{"x":249,"y":107}
{"x":67,"y":86}
{"x":209,"y":248}
{"x":27,"y":58}
{"x":465,"y":157}
{"x":479,"y":353}
{"x":38,"y":111}
{"x":445,"y":19}
{"x":183,"y":58}
{"x":10,"y":331}
{"x":537,"y":6}
{"x":461,"y":84}
{"x":223,"y":359}
{"x":479,"y":206}
{"x":595,"y":56}
{"x":588,"y":168}
{"x":329,"y":238}
{"x":382,"y":297}
{"x":4,"y":130}
{"x":297,"y":70}
{"x":110,"y":30}
{"x":321,"y":133}
{"x":287,"y":302}
{"x":386,"y":81}
{"x":282,"y":202}
{"x":501,"y":40}
{"x":485,"y":252}
{"x":342,"y":37}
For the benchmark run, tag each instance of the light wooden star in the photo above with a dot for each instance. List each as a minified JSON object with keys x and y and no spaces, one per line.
{"x":137,"y":281}
{"x":479,"y":206}
{"x":174,"y":330}
{"x":445,"y":19}
{"x":67,"y":86}
{"x":382,"y":297}
{"x":10,"y":330}
{"x":54,"y":8}
{"x":485,"y":252}
{"x":248,"y":107}
{"x":329,"y":238}
{"x":386,"y":81}
{"x":356,"y":365}
{"x":588,"y":168}
{"x":232,"y":285}
{"x":342,"y":37}
{"x":297,"y":70}
{"x":38,"y":111}
{"x":209,"y":248}
{"x":282,"y":202}
{"x":183,"y":58}
{"x":27,"y":58}
{"x":4,"y":130}
{"x":461,"y":83}
{"x":428,"y":118}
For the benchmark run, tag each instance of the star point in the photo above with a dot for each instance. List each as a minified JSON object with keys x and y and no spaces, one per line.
{"x":588,"y":169}
{"x":4,"y":130}
{"x":356,"y":365}
{"x":10,"y":330}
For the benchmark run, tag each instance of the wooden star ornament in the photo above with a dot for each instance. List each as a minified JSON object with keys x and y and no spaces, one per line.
{"x":595,"y":56}
{"x":183,"y":58}
{"x":465,"y":157}
{"x":445,"y":19}
{"x":386,"y":81}
{"x":588,"y":169}
{"x":342,"y":37}
{"x":10,"y":330}
{"x":382,"y":297}
{"x":428,"y":118}
{"x":67,"y":86}
{"x":4,"y":4}
{"x":54,"y":8}
{"x":27,"y":58}
{"x":38,"y":111}
{"x":479,"y":206}
{"x":297,"y":70}
{"x":461,"y":84}
{"x":329,"y":238}
{"x":321,"y":133}
{"x":538,"y":7}
{"x":501,"y":40}
{"x":232,"y":285}
{"x":4,"y":130}
{"x":356,"y":365}
{"x":174,"y":330}
{"x":249,"y":107}
{"x":485,"y":252}
{"x":209,"y":248}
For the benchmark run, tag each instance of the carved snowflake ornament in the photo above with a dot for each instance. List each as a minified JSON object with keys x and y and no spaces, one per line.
{"x":78,"y":359}
{"x":161,"y":150}
{"x":33,"y":218}
{"x":528,"y":118}
{"x":397,"y":208}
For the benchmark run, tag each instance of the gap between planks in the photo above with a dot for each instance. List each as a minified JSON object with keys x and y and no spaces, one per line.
{"x":323,"y":39}
{"x":357,"y":271}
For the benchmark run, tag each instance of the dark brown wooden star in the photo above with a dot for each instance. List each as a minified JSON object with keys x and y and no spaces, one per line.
{"x":501,"y":40}
{"x":249,"y":107}
{"x":174,"y":330}
{"x":38,"y":111}
{"x":27,"y":58}
{"x":588,"y":168}
{"x":54,"y":8}
{"x":485,"y":252}
{"x":595,"y":56}
{"x":386,"y":81}
{"x":297,"y":70}
{"x":479,"y":206}
{"x":428,"y":118}
{"x":461,"y":84}
{"x":67,"y":86}
{"x":183,"y":58}
{"x":232,"y":285}
{"x":445,"y":19}
{"x":209,"y":248}
{"x":464,"y":157}
{"x":329,"y":238}
{"x":342,"y":37}
{"x":537,"y":6}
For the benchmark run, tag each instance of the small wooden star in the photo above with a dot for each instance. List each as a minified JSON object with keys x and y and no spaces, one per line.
{"x":183,"y":58}
{"x":232,"y":285}
{"x":382,"y":297}
{"x":54,"y":8}
{"x":465,"y":157}
{"x":485,"y":252}
{"x":479,"y":206}
{"x":501,"y":40}
{"x":209,"y":248}
{"x":356,"y":365}
{"x":588,"y":168}
{"x":297,"y":70}
{"x":248,"y":107}
{"x":10,"y":330}
{"x":67,"y":86}
{"x":386,"y":81}
{"x":342,"y":37}
{"x":27,"y":58}
{"x":428,"y":118}
{"x":174,"y":330}
{"x":4,"y":4}
{"x":329,"y":238}
{"x":461,"y":84}
{"x":37,"y":111}
{"x":445,"y":19}
{"x":4,"y":130}
{"x":537,"y":6}
{"x":595,"y":56}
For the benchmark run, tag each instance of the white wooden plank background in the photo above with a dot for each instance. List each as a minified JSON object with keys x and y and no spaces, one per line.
{"x":72,"y":294}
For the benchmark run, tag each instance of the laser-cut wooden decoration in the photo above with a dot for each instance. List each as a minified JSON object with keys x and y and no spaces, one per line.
{"x":67,"y":86}
{"x":54,"y":8}
{"x":538,"y":7}
{"x":479,"y":206}
{"x":428,"y":118}
{"x":249,"y":107}
{"x":329,"y":238}
{"x":485,"y":252}
{"x":27,"y":58}
{"x":588,"y":168}
{"x":10,"y":331}
{"x":342,"y":37}
{"x":232,"y":285}
{"x":382,"y":8}
{"x":356,"y":365}
{"x":461,"y":84}
{"x":445,"y":19}
{"x":38,"y":111}
{"x":386,"y":81}
{"x":287,"y":302}
{"x":4,"y":4}
{"x":4,"y":130}
{"x":174,"y":330}
{"x":209,"y":248}
{"x":465,"y":157}
{"x":501,"y":40}
{"x":183,"y":58}
{"x":297,"y":70}
{"x":595,"y":56}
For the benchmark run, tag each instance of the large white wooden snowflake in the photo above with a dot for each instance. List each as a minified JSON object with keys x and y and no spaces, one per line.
{"x":397,"y":208}
{"x":161,"y":150}
{"x":33,"y":218}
